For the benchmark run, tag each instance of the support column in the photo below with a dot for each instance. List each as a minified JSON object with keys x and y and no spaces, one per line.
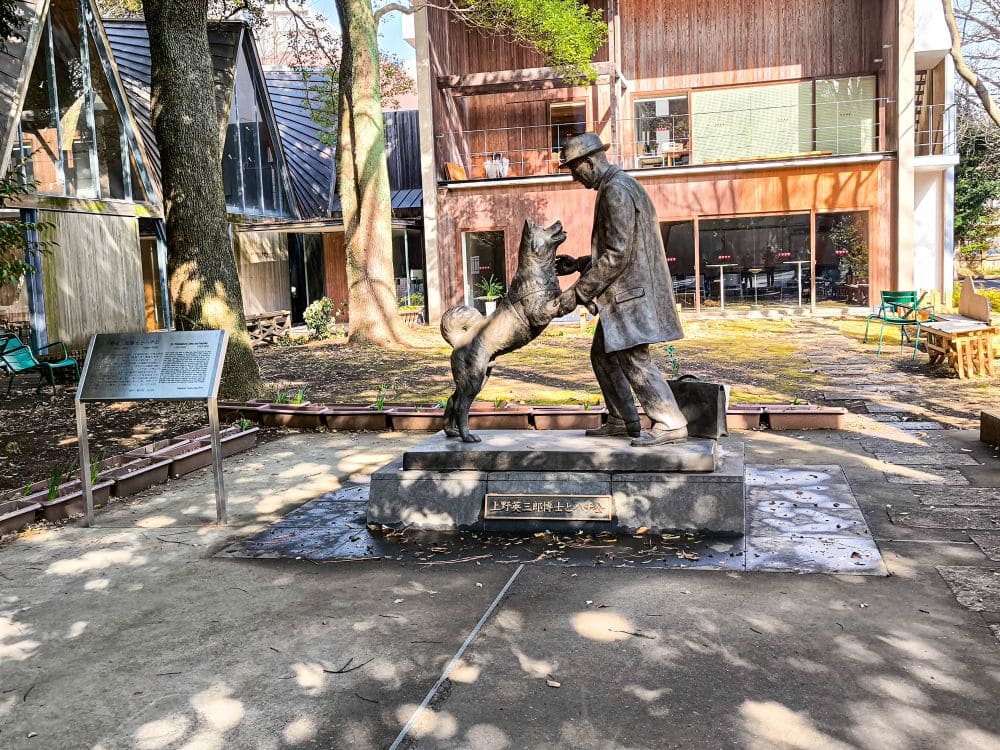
{"x":428,"y":166}
{"x":905,"y":76}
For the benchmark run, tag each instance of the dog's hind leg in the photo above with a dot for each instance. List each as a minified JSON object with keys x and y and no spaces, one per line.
{"x":450,"y":421}
{"x":474,"y":380}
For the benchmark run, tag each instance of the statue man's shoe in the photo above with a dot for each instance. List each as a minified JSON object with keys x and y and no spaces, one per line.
{"x":615,"y":427}
{"x":660,"y":435}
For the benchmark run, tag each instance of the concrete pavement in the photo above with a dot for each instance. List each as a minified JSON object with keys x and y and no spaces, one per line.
{"x":132,"y":635}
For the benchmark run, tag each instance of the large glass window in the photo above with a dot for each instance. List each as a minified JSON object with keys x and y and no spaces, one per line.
{"x":780,"y":120}
{"x":662,"y":131}
{"x":566,"y":119}
{"x":678,"y":242}
{"x":71,"y":133}
{"x":759,"y":260}
{"x":40,"y":127}
{"x":842,"y":258}
{"x":76,"y":136}
{"x":250,"y":173}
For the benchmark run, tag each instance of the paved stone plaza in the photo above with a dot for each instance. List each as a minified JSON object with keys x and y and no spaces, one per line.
{"x":295,"y":627}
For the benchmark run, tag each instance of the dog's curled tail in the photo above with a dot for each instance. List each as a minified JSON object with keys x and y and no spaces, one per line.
{"x":460,"y":324}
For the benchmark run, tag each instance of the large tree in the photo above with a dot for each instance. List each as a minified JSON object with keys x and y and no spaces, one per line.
{"x":204,"y":286}
{"x":566,"y":33}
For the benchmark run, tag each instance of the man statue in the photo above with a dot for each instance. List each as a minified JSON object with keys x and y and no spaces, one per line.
{"x":626,"y":281}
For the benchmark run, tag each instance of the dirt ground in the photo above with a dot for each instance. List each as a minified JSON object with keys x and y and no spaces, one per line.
{"x":762,"y":360}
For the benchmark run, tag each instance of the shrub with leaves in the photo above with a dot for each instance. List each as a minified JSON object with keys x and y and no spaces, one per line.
{"x":18,"y":239}
{"x":319,"y":318}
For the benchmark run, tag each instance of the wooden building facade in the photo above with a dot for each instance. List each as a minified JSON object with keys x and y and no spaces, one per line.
{"x":775,"y":137}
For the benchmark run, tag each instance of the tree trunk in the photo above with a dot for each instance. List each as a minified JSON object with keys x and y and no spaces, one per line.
{"x":204,"y":287}
{"x":363,"y":183}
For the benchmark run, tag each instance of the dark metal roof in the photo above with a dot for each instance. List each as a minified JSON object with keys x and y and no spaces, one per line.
{"x":130,"y":46}
{"x":402,"y":145}
{"x":310,"y":162}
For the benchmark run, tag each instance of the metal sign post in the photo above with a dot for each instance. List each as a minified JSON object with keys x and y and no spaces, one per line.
{"x":168,"y":366}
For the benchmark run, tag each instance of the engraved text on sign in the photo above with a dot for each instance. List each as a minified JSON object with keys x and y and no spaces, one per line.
{"x":548,"y":507}
{"x":140,"y":366}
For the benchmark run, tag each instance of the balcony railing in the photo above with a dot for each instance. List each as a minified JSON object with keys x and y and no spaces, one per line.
{"x":703,"y":138}
{"x":935,"y":133}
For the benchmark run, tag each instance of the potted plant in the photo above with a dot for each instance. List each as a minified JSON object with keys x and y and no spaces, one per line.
{"x":356,"y":417}
{"x":491,"y":290}
{"x":61,"y":495}
{"x":291,"y":409}
{"x":418,"y":417}
{"x":499,"y":415}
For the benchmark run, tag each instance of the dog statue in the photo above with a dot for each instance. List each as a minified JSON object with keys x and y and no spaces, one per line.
{"x":531,"y":303}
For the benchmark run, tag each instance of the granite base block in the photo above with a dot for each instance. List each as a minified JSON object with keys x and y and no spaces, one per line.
{"x":443,"y":500}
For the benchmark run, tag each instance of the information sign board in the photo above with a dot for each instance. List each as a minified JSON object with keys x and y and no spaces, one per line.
{"x":168,"y":366}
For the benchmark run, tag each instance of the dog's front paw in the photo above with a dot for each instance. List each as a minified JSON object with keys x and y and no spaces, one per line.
{"x":452,"y":432}
{"x":468,"y":437}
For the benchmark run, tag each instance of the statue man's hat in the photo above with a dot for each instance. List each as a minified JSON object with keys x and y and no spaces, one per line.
{"x":581,"y":146}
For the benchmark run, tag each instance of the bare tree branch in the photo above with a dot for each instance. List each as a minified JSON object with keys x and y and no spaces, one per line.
{"x":963,"y":68}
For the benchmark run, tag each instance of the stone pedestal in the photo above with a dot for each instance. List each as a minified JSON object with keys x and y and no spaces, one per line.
{"x":561,"y":480}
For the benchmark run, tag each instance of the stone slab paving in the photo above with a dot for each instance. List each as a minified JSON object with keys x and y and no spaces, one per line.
{"x":977,"y":589}
{"x":928,"y":475}
{"x":948,"y":518}
{"x":890,"y":407}
{"x":920,"y":457}
{"x":995,"y":627}
{"x":989,"y":544}
{"x":964,"y":496}
{"x":920,"y":426}
{"x":802,"y":519}
{"x":885,"y":417}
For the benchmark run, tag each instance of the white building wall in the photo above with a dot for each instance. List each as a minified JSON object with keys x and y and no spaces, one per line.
{"x":930,"y":29}
{"x":928,"y":231}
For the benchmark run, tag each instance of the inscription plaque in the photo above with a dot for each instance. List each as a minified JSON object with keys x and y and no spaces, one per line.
{"x":173,"y":365}
{"x":165,"y":366}
{"x":548,"y":507}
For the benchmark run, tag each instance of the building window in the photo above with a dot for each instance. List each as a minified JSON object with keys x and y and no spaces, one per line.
{"x":566,"y":119}
{"x":70,"y":137}
{"x":842,"y":258}
{"x":755,"y":260}
{"x":678,"y":243}
{"x":823,"y":117}
{"x":662,"y":131}
{"x":250,"y":174}
{"x":483,"y":257}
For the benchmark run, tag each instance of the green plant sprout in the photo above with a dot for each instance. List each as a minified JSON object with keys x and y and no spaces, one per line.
{"x":380,"y":399}
{"x":675,"y":364}
{"x":299,"y":396}
{"x":244,"y":424}
{"x":491,"y":288}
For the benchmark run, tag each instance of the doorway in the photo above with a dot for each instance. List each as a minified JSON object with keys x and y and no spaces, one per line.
{"x":484,"y":261}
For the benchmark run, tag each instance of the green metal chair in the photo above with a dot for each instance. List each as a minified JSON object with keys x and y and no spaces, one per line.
{"x":19,"y":359}
{"x":900,"y":309}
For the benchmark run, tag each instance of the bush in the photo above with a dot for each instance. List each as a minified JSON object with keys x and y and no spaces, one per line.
{"x":319,"y":318}
{"x":416,"y":299}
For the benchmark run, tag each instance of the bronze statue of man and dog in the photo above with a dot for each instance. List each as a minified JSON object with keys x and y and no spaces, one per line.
{"x":625,"y":281}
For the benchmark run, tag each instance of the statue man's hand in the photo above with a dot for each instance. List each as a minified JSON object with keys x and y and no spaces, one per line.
{"x":567,"y":302}
{"x":565,"y":265}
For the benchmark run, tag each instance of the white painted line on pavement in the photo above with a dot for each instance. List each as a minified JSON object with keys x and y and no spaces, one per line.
{"x":454,"y":660}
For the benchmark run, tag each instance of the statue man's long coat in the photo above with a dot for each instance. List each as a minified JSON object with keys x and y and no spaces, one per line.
{"x":628,"y":279}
